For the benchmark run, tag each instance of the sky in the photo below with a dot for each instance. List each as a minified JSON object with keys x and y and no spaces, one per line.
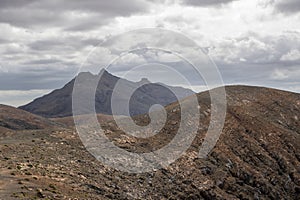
{"x":44,"y":43}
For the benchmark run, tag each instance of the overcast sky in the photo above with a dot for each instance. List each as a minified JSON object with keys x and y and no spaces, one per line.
{"x":43,"y":43}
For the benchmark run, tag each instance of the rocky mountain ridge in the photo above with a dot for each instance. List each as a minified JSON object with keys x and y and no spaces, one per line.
{"x":59,"y":102}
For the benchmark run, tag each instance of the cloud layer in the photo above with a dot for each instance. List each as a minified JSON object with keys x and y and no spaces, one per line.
{"x":43,"y":43}
{"x":204,"y":3}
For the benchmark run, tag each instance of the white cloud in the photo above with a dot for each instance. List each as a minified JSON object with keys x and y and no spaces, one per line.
{"x":288,"y":73}
{"x":293,"y":55}
{"x":257,"y":49}
{"x":130,"y":59}
{"x":279,"y":75}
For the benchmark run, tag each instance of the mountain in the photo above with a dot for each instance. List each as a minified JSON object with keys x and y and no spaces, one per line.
{"x":256,"y":157}
{"x":59,"y":102}
{"x":16,"y":119}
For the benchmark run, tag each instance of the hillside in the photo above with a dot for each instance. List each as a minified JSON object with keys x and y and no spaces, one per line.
{"x":69,"y":121}
{"x":16,"y":119}
{"x":59,"y":102}
{"x":256,"y":157}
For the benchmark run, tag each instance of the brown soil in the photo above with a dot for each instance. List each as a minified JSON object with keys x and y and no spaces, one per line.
{"x":256,"y":157}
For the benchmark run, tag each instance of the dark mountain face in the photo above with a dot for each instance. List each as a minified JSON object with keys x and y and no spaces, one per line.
{"x":59,"y":102}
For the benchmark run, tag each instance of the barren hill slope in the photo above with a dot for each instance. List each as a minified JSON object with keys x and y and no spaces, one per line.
{"x":256,"y":157}
{"x":17,"y":119}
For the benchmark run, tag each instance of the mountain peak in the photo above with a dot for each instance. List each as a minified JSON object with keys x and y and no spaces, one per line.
{"x":144,"y":81}
{"x":85,"y":74}
{"x":88,"y":75}
{"x":103,"y":71}
{"x":59,"y":102}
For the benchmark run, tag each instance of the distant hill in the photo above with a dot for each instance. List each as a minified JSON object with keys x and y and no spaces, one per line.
{"x":59,"y":102}
{"x":16,"y":119}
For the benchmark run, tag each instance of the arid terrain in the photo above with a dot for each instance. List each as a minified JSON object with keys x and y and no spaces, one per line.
{"x":256,"y":157}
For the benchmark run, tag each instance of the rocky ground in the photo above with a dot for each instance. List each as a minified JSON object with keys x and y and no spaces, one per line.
{"x":256,"y":157}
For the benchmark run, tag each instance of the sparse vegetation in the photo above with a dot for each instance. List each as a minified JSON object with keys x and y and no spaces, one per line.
{"x":256,"y":157}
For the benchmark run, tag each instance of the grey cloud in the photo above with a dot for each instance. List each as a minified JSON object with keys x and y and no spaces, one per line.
{"x":57,"y":45}
{"x":287,"y":6}
{"x":63,"y":44}
{"x":63,"y":13}
{"x":42,"y":62}
{"x":91,"y":41}
{"x":28,"y":17}
{"x":36,"y":78}
{"x":41,"y":45}
{"x":15,"y":3}
{"x":110,"y":8}
{"x":4,"y":41}
{"x":205,"y":3}
{"x":88,"y":24}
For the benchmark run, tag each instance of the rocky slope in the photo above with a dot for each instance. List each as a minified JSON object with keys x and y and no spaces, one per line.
{"x":256,"y":157}
{"x":17,"y":119}
{"x":59,"y":102}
